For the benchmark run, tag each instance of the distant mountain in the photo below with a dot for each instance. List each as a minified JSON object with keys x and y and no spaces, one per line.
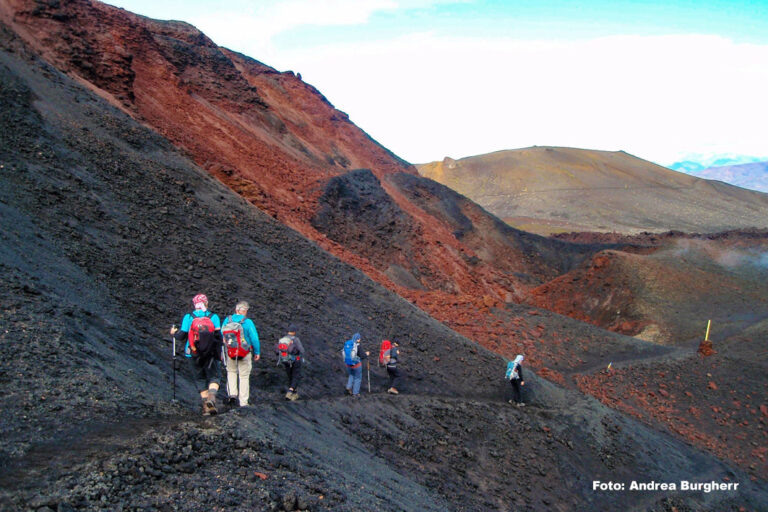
{"x":692,"y":164}
{"x":551,"y":189}
{"x":752,"y":176}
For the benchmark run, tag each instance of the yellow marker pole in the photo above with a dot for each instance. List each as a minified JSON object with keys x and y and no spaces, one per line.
{"x":706,"y":336}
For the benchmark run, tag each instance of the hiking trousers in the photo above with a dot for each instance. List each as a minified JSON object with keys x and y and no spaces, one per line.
{"x":394,"y":376}
{"x":239,"y":378}
{"x":517,"y":392}
{"x":293,"y":371}
{"x":355,"y":378}
{"x":205,"y":371}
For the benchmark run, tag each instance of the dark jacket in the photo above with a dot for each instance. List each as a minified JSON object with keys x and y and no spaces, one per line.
{"x":296,"y":349}
{"x":394,"y":355}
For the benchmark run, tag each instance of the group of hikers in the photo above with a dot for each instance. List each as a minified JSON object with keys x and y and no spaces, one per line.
{"x":235,"y":342}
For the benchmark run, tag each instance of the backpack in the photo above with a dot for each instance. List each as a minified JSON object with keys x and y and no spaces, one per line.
{"x":283,"y":351}
{"x":234,"y":338}
{"x":511,"y":371}
{"x":350,"y":353}
{"x":201,"y":340}
{"x":384,"y":352}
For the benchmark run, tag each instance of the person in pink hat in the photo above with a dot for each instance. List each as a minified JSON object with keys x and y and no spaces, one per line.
{"x":202,"y":331}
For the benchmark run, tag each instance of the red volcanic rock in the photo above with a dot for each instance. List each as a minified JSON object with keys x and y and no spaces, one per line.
{"x":712,"y":386}
{"x":583,"y":294}
{"x":764,"y":410}
{"x":706,"y":349}
{"x":552,"y":375}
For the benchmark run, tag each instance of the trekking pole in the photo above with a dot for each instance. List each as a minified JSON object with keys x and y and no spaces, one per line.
{"x":173,"y":362}
{"x":368,"y":364}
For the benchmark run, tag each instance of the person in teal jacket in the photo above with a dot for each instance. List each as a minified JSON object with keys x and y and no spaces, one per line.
{"x":239,"y":367}
{"x":206,"y":357}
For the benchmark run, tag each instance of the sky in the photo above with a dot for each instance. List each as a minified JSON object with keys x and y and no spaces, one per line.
{"x":664,"y":80}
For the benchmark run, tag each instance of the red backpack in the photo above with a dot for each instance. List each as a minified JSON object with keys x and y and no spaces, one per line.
{"x":201,"y":340}
{"x":386,"y":346}
{"x":234,"y":338}
{"x":284,"y":347}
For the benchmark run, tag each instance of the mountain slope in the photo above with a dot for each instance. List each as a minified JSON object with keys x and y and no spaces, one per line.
{"x":102,"y":222}
{"x":545,"y":189}
{"x":753,"y":176}
{"x":273,"y":139}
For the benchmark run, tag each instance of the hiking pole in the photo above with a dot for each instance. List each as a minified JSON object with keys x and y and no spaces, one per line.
{"x":368,"y":364}
{"x":173,"y":362}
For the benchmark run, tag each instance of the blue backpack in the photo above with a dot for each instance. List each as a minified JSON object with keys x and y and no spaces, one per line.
{"x":350,"y":352}
{"x":511,"y":371}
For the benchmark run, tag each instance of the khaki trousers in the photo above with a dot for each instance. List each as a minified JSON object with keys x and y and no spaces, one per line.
{"x":238,"y":378}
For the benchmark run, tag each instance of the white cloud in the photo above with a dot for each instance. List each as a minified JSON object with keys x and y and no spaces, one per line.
{"x":247,"y":25}
{"x":426,"y":97}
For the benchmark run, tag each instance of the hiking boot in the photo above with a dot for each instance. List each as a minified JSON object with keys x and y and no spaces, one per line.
{"x":520,"y":404}
{"x":211,"y":405}
{"x":349,"y":391}
{"x":393,"y":391}
{"x":294,"y":396}
{"x":230,"y":400}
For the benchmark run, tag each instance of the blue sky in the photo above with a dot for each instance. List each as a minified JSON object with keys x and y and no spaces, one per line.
{"x":665,"y":81}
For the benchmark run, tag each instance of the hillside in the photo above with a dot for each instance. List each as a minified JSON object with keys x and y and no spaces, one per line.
{"x":277,"y":142}
{"x":101,"y":223}
{"x":660,"y":289}
{"x":550,"y":190}
{"x":753,"y":176}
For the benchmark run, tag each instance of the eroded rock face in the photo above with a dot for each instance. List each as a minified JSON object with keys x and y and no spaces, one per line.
{"x":356,"y":212}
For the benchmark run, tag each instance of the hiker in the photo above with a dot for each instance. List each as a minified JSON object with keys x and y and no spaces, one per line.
{"x":241,"y":348}
{"x":515,"y":376}
{"x":290,"y":354}
{"x":202,"y":330}
{"x":388,"y":356}
{"x":353,"y":359}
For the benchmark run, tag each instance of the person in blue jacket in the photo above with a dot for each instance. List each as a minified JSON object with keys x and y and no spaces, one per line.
{"x":239,"y":368}
{"x":202,"y":330}
{"x":353,"y":360}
